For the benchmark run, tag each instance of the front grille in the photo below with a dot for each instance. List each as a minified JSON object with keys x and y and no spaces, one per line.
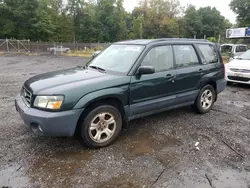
{"x":27,"y":96}
{"x":237,"y":78}
{"x":240,"y":70}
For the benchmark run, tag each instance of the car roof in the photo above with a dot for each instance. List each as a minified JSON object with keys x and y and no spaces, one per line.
{"x":233,"y":45}
{"x":150,"y":41}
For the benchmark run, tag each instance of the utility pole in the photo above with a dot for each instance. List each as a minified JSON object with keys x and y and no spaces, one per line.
{"x":141,"y":30}
{"x":7,"y":45}
{"x":141,"y":26}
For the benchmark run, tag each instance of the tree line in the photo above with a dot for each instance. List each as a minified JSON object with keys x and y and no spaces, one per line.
{"x":108,"y":21}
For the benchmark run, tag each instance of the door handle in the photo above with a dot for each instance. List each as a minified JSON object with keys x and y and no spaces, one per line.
{"x":200,"y":70}
{"x":170,"y":76}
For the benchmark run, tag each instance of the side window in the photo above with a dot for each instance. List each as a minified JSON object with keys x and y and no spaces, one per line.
{"x":241,"y":48}
{"x":185,"y":56}
{"x":161,"y":58}
{"x":209,"y":53}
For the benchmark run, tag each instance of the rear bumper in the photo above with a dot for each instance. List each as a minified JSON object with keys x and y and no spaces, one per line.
{"x":221,"y":85}
{"x":48,"y":123}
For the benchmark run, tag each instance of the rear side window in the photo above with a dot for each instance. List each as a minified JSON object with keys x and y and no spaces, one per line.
{"x":241,"y":49}
{"x":185,"y":56}
{"x":208,"y":52}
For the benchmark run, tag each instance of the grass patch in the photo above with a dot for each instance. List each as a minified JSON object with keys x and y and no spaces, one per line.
{"x":81,"y":53}
{"x":28,"y":53}
{"x":84,"y":53}
{"x":78,"y":54}
{"x":2,"y":53}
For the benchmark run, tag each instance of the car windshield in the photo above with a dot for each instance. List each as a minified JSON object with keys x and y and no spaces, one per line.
{"x":245,"y":56}
{"x":117,"y":58}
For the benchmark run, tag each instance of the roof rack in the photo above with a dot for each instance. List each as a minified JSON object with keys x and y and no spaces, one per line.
{"x":177,"y":39}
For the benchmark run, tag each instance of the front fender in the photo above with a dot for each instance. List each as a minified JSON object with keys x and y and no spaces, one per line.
{"x":119,"y":93}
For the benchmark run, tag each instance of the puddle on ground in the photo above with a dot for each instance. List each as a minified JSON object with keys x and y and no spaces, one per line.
{"x":122,"y":181}
{"x":144,"y":143}
{"x":59,"y":169}
{"x":76,"y":156}
{"x":13,"y":177}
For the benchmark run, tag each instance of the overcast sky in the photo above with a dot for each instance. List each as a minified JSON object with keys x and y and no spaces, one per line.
{"x":221,"y":5}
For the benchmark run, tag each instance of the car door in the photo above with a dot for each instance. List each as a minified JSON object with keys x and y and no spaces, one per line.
{"x":189,"y":72}
{"x":153,"y":92}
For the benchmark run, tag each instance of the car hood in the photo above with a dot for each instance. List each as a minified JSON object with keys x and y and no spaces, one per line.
{"x":66,"y":77}
{"x":237,"y":63}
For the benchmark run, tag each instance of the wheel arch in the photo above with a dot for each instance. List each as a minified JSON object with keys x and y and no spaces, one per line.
{"x":107,"y":100}
{"x":213,"y":83}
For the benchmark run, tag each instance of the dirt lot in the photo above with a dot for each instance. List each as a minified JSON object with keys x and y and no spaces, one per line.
{"x":157,"y":151}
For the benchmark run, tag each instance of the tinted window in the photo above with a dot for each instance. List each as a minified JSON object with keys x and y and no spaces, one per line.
{"x":209,"y":53}
{"x":241,"y":48}
{"x":185,"y":56}
{"x":226,"y":49}
{"x":160,"y":57}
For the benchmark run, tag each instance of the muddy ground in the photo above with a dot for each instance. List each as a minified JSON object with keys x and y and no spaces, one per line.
{"x":157,"y":151}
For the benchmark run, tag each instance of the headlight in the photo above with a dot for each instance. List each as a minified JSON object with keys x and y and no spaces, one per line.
{"x":49,"y":102}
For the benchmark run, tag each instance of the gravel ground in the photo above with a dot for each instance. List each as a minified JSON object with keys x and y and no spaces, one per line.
{"x":157,"y":151}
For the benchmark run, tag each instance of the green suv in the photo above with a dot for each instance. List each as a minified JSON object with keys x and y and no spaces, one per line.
{"x":128,"y":80}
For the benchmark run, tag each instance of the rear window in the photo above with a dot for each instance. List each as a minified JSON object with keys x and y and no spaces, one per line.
{"x":209,"y":53}
{"x":226,"y":49}
{"x":241,"y":49}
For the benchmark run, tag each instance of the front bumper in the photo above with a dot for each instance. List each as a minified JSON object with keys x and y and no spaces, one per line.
{"x":238,"y":77}
{"x":48,"y":123}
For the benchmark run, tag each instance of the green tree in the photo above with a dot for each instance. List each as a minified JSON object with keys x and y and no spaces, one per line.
{"x":242,"y":9}
{"x":17,"y":18}
{"x":75,"y":9}
{"x":120,"y":13}
{"x":159,"y":18}
{"x":52,"y":23}
{"x":89,"y":27}
{"x":206,"y":21}
{"x":192,"y":22}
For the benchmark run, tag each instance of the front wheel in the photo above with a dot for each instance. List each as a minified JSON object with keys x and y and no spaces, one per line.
{"x":101,"y":126}
{"x":205,"y":99}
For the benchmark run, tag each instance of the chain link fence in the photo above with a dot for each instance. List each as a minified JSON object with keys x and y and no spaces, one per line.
{"x":19,"y":46}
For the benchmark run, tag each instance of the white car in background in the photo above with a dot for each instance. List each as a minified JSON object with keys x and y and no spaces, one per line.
{"x":238,"y":69}
{"x":58,"y":49}
{"x":233,"y":50}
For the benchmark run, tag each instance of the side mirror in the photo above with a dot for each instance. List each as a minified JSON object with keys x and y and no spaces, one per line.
{"x":96,"y":54}
{"x":146,"y":70}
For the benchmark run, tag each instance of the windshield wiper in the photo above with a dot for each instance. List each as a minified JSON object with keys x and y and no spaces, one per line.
{"x":97,"y":68}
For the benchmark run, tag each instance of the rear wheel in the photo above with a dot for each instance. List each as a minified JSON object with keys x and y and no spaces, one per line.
{"x":101,"y":126}
{"x":205,"y":99}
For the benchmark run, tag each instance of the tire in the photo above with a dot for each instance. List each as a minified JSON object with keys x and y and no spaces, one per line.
{"x":104,"y":130}
{"x":205,"y":99}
